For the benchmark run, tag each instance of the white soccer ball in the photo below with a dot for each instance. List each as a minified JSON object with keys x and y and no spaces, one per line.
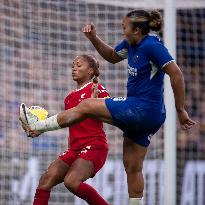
{"x":39,"y":112}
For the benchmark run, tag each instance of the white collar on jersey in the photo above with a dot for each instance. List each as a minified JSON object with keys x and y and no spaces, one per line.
{"x":83,"y":86}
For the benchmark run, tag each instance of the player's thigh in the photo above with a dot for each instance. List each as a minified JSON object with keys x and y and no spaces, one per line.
{"x":96,"y":108}
{"x":80,"y":170}
{"x":133,"y":155}
{"x":55,"y":173}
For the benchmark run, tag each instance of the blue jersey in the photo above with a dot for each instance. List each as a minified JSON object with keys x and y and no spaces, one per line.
{"x":146,"y":61}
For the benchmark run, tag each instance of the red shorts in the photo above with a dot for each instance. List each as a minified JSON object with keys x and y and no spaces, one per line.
{"x":92,"y":153}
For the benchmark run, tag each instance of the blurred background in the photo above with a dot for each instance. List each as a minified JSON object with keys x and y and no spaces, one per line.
{"x":38,"y":41}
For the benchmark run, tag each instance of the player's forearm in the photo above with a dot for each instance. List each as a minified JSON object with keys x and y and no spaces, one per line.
{"x":177,"y":82}
{"x":103,"y":49}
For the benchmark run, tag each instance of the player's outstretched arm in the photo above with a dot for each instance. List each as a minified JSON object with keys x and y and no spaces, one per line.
{"x":177,"y":82}
{"x":106,"y":51}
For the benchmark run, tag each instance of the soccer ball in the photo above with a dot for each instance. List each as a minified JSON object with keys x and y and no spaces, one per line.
{"x":39,"y":112}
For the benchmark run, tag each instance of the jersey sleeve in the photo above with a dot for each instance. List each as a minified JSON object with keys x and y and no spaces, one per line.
{"x":121,"y":49}
{"x":158,"y":54}
{"x":102,"y":92}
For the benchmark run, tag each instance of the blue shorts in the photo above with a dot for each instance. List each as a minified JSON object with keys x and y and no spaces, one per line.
{"x":137,"y":123}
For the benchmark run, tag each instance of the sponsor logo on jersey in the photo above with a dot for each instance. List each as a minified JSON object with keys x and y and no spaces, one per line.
{"x":132,"y":71}
{"x":119,"y":99}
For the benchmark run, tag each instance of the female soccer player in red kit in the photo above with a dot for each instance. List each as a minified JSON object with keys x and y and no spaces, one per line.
{"x":88,"y":145}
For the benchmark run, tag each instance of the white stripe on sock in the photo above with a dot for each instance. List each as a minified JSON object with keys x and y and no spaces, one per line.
{"x":135,"y":201}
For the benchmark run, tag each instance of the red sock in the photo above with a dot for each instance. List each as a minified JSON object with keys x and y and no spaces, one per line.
{"x":41,"y":197}
{"x":90,"y":195}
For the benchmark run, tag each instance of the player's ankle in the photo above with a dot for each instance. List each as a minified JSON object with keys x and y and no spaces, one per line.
{"x":49,"y":124}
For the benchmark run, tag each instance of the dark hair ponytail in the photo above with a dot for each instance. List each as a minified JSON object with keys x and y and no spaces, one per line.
{"x":155,"y":21}
{"x":96,"y":73}
{"x":145,"y":20}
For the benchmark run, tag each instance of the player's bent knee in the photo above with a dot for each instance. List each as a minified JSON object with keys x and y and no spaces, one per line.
{"x":47,"y":180}
{"x":71,"y":183}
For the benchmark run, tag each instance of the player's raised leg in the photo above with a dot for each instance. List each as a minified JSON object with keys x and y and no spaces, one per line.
{"x":92,"y":108}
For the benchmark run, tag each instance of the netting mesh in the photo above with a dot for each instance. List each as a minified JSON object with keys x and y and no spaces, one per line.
{"x":191,"y":146}
{"x":38,"y":41}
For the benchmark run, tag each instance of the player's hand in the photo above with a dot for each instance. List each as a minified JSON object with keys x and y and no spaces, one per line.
{"x":33,"y":133}
{"x":89,"y":31}
{"x":29,"y":132}
{"x":184,"y":119}
{"x":95,"y":90}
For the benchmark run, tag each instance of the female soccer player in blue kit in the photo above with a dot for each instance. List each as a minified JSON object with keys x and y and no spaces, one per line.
{"x":142,"y":112}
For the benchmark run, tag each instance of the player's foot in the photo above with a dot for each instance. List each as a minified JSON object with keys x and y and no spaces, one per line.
{"x":28,"y":121}
{"x":26,"y":116}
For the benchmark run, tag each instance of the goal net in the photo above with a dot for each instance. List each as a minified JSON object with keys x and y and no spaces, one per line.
{"x":38,"y":42}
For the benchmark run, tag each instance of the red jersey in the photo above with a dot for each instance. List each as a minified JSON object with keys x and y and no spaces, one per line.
{"x":89,"y":131}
